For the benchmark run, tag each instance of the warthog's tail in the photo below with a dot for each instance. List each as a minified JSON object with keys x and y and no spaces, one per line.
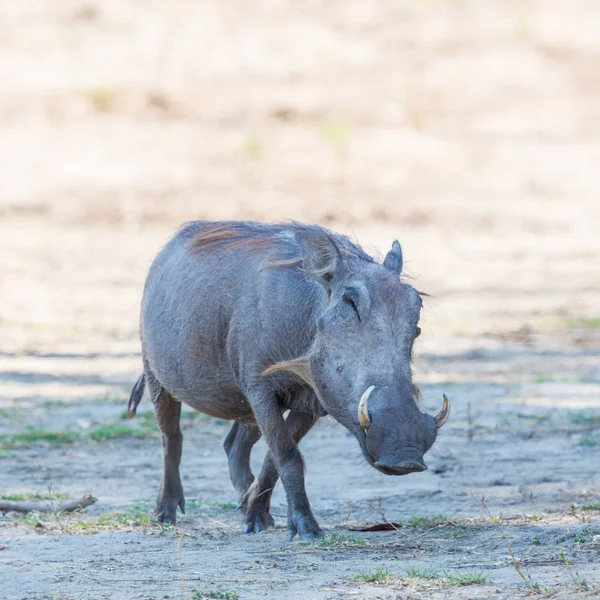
{"x":136,"y":395}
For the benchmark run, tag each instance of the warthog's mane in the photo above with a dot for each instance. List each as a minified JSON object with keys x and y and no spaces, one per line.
{"x":277,"y":241}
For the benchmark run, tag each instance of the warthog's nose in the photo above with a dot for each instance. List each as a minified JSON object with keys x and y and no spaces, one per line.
{"x":402,"y":468}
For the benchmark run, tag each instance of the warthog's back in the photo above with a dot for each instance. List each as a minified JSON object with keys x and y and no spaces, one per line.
{"x":222,"y":301}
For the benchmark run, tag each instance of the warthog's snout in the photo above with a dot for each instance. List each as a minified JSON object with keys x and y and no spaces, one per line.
{"x":402,"y":467}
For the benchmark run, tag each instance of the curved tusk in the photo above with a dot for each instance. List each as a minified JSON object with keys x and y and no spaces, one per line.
{"x":443,"y":415}
{"x":363,"y":409}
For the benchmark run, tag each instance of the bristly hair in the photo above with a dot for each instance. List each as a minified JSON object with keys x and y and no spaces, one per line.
{"x":300,"y":367}
{"x":417,"y":393}
{"x":228,"y":233}
{"x":278,"y":240}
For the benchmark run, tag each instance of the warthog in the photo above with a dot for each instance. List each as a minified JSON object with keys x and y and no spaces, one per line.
{"x":245,"y":321}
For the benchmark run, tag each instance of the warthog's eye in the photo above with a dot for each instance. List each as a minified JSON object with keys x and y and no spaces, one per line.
{"x":417,"y":332}
{"x":355,"y":297}
{"x":352,"y":304}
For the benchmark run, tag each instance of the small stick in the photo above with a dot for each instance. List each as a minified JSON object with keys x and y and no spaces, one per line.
{"x":185,"y":587}
{"x":470,"y":423}
{"x":518,"y":562}
{"x":68,"y":506}
{"x":350,"y":511}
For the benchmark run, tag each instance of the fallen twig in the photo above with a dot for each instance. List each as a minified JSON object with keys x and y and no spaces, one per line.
{"x":387,"y":526}
{"x":67,"y":506}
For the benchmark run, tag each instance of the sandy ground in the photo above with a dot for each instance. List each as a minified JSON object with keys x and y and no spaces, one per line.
{"x":470,"y":131}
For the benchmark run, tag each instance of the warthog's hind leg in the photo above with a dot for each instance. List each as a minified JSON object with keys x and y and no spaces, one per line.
{"x":168,"y":411}
{"x":238,"y":446}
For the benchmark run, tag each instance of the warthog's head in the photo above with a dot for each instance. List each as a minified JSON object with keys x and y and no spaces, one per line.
{"x":360,"y":362}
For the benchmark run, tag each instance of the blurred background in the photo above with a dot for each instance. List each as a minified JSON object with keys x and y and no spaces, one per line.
{"x":470,"y":131}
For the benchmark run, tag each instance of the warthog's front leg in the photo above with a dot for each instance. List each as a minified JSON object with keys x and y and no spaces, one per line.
{"x":289,"y":463}
{"x":257,"y":500}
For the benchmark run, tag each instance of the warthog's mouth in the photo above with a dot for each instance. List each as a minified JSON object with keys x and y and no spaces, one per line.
{"x":405,"y":468}
{"x":405,"y":458}
{"x":391,"y":467}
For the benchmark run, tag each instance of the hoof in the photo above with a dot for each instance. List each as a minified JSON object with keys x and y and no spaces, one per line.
{"x":166,"y":519}
{"x":304,"y":526}
{"x":255,"y":522}
{"x":166,"y":509}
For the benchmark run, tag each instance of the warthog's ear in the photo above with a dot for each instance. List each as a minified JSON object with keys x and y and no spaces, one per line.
{"x":322,"y":260}
{"x":393,"y":260}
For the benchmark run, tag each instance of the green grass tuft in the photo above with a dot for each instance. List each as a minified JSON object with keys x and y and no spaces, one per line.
{"x":144,"y":418}
{"x":110,"y":431}
{"x":380,"y":574}
{"x":427,"y":521}
{"x":581,"y":418}
{"x":203,"y":503}
{"x":33,"y":436}
{"x":417,"y":573}
{"x":138,"y":517}
{"x":34,"y":519}
{"x":590,"y":507}
{"x":467,"y":578}
{"x":587,"y":441}
{"x":582,"y":323}
{"x":100,"y":433}
{"x":147,"y":419}
{"x":216,"y":594}
{"x":34,"y":496}
{"x":336,"y":540}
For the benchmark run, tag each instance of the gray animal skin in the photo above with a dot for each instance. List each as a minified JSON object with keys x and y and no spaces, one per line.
{"x":245,"y":321}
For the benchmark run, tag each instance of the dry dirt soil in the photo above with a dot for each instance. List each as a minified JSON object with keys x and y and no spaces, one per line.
{"x":468,"y":130}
